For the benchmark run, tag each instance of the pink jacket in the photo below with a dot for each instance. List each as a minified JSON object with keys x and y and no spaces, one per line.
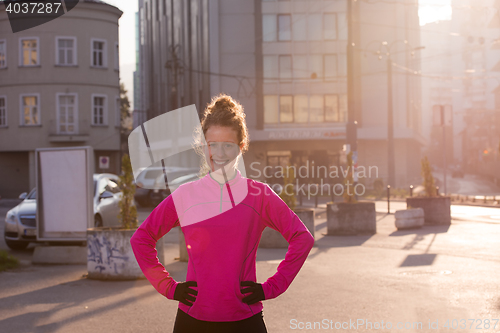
{"x":222,"y":225}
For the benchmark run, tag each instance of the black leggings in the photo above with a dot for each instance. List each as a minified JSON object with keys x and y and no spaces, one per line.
{"x":184,"y":323}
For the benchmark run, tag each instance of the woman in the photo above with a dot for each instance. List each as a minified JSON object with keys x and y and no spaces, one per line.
{"x":222,"y":216}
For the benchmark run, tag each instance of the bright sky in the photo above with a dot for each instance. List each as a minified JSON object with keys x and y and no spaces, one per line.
{"x":434,"y":10}
{"x":127,"y":42}
{"x":429,"y":11}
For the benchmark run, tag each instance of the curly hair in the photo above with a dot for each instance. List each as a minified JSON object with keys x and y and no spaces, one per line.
{"x":224,"y":111}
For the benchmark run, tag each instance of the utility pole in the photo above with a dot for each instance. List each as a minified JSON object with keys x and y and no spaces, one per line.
{"x":391,"y":167}
{"x":351,"y":125}
{"x":391,"y":163}
{"x":445,"y":162}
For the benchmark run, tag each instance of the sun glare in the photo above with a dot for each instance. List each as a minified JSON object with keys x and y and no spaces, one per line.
{"x":434,"y":10}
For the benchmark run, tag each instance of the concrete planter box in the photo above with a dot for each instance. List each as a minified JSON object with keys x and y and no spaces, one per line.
{"x":110,"y":255}
{"x":273,"y":239}
{"x":436,"y":209}
{"x":351,"y":218}
{"x":409,"y":218}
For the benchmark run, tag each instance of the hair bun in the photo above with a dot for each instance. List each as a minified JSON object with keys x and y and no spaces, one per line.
{"x":224,"y":102}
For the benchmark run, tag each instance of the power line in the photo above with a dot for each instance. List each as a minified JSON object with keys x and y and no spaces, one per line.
{"x":442,"y":77}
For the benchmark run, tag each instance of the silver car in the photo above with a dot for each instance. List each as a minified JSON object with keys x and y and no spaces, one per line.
{"x":144,"y":193}
{"x":20,"y":222}
{"x":160,"y":194}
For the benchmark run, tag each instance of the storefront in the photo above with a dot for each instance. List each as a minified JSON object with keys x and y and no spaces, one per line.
{"x":309,"y":153}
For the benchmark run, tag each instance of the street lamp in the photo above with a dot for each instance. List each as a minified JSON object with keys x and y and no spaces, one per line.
{"x":384,"y":46}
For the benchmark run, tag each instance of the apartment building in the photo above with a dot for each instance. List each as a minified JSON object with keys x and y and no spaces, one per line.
{"x":59,"y":87}
{"x":286,"y":62}
{"x":461,"y":70}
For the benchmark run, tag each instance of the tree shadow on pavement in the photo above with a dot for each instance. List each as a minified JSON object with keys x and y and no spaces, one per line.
{"x":76,"y":294}
{"x":425,"y":230}
{"x":426,"y":259}
{"x":63,"y":296}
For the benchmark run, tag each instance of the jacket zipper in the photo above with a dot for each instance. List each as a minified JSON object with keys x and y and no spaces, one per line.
{"x":221,"y":187}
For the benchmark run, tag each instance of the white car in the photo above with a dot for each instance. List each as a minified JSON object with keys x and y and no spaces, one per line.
{"x":20,"y":222}
{"x":147,"y":178}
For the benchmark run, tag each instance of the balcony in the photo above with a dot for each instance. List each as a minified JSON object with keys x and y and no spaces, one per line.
{"x":80,"y":132}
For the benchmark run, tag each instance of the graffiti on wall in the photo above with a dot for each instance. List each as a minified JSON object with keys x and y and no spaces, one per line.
{"x":105,"y":255}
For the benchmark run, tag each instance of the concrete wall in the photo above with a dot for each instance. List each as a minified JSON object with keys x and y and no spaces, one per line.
{"x":14,"y":173}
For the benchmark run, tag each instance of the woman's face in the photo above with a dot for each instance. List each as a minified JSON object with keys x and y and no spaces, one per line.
{"x":222,"y":148}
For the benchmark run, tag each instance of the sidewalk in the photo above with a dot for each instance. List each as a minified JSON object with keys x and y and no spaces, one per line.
{"x":433,"y":273}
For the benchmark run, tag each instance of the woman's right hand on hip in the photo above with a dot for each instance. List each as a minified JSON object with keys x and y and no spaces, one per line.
{"x":184,"y":294}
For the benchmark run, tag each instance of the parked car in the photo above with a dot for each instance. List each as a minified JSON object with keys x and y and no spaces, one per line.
{"x":145,"y":182}
{"x":159,"y":193}
{"x":20,"y":221}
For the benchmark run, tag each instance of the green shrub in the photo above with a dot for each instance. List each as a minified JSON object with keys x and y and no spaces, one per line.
{"x":289,"y":179}
{"x":429,"y":184}
{"x":128,"y":212}
{"x":349,"y":195}
{"x":7,"y":261}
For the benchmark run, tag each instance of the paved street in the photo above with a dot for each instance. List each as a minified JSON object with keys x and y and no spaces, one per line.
{"x":468,"y":185}
{"x":407,"y":277}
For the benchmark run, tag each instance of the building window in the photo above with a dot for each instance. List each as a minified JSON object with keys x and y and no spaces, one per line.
{"x":66,"y":51}
{"x":332,"y":108}
{"x":99,"y":110}
{"x":330,"y":26}
{"x":284,"y":27}
{"x":271,"y":109}
{"x":3,"y":53}
{"x":117,"y":56}
{"x":330,"y":67}
{"x":304,"y":27}
{"x":67,"y":113}
{"x":300,"y":109}
{"x":118,"y":119}
{"x":299,"y":27}
{"x":3,"y":111}
{"x":270,"y":68}
{"x":316,"y":110}
{"x":304,"y":109}
{"x":285,"y":67}
{"x":314,"y":27}
{"x":99,"y":56}
{"x":342,"y":26}
{"x":316,"y":65}
{"x":286,"y":109}
{"x":29,"y":52}
{"x":300,"y":70}
{"x":269,"y":28}
{"x":30,"y":109}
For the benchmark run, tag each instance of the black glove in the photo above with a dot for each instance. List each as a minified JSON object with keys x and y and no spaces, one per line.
{"x":183,"y":292}
{"x":257,"y":293}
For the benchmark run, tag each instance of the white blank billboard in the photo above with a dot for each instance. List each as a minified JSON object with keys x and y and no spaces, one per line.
{"x":64,"y":193}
